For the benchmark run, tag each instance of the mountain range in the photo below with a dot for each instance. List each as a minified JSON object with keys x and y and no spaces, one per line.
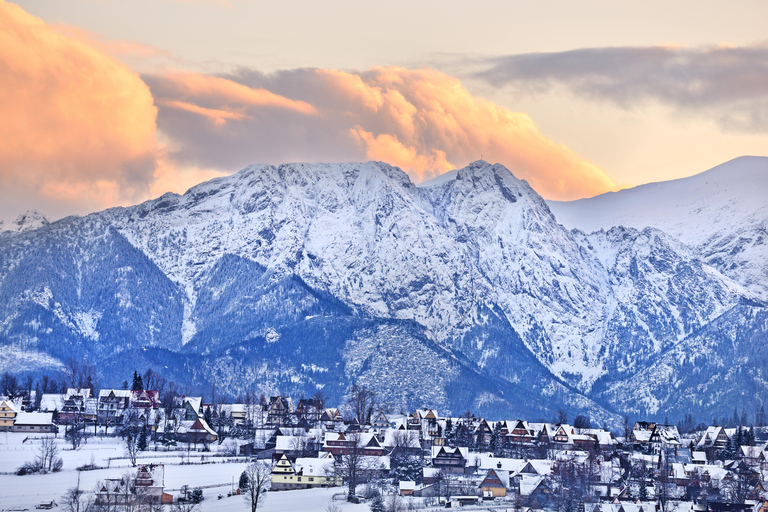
{"x":469,"y":291}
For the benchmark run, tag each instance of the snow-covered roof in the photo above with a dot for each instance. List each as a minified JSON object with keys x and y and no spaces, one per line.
{"x":404,"y":438}
{"x":529,"y":483}
{"x":84,"y":392}
{"x":194,"y":401}
{"x":11,"y":405}
{"x":322,"y":466}
{"x":34,"y":418}
{"x":52,"y":402}
{"x":119,"y":393}
{"x":464,"y":451}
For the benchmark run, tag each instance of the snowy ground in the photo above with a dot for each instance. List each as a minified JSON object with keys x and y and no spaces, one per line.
{"x":24,"y":492}
{"x":18,"y":493}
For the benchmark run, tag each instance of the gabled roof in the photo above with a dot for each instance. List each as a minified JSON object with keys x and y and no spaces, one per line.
{"x":118,"y":393}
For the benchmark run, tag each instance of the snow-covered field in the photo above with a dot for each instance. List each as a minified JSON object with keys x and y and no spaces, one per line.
{"x":18,"y":493}
{"x":24,"y":492}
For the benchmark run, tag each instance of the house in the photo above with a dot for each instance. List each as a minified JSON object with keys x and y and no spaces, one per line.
{"x":192,"y":407}
{"x":74,"y":406}
{"x":150,"y":482}
{"x":309,"y":410}
{"x":145,"y":399}
{"x":8,"y":412}
{"x":305,"y":473}
{"x":450,"y":460}
{"x":494,"y":484}
{"x":278,"y":410}
{"x":406,"y":487}
{"x":563,"y":435}
{"x":380,"y":421}
{"x":344,"y":443}
{"x":112,"y":405}
{"x":331,"y":418}
{"x":34,"y":422}
{"x":236,"y":412}
{"x":714,"y":437}
{"x":482,"y":434}
{"x":146,"y":488}
{"x":196,"y":431}
{"x":52,"y":402}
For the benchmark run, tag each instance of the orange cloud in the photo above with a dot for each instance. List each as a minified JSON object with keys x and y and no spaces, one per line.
{"x":76,"y":123}
{"x":218,"y":116}
{"x":427,"y":122}
{"x":223,"y":92}
{"x":388,"y":149}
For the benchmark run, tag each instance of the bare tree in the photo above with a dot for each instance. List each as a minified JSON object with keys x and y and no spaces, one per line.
{"x":259,"y":475}
{"x":9,"y":385}
{"x":351,"y":463}
{"x":361,"y":401}
{"x":185,"y":506}
{"x":76,"y":500}
{"x":131,"y":443}
{"x":48,"y":455}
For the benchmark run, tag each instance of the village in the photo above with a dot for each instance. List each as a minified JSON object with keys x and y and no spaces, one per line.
{"x":382,"y":460}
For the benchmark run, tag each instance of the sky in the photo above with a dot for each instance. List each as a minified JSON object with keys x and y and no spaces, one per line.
{"x":106,"y":102}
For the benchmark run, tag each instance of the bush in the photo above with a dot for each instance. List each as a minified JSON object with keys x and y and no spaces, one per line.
{"x":29,"y":468}
{"x":196,"y":496}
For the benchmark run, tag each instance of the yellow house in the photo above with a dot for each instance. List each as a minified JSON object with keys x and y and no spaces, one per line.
{"x":7,"y":415}
{"x":495,"y":483}
{"x":305,"y":474}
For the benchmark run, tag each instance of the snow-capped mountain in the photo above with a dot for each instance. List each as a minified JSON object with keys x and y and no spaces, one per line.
{"x":721,"y":213}
{"x":464,"y":292}
{"x":32,"y":219}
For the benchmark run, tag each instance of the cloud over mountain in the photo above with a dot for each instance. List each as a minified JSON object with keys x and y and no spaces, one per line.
{"x":421,"y":120}
{"x":78,"y":125}
{"x":728,"y":84}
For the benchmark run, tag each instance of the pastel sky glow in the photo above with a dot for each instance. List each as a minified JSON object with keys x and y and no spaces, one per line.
{"x":109,"y":103}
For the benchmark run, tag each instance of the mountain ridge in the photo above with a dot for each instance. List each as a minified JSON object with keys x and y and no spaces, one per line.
{"x":490,"y":278}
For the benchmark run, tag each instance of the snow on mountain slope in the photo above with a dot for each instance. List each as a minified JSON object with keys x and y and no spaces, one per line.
{"x":722,"y":213}
{"x":32,"y":219}
{"x":274,"y":272}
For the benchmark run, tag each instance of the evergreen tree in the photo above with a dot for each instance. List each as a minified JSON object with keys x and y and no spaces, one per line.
{"x":643,"y":494}
{"x":143,"y":440}
{"x":751,"y":436}
{"x":448,"y":428}
{"x":495,"y":443}
{"x":138,"y":384}
{"x":243,"y":483}
{"x":377,"y":505}
{"x":208,"y":416}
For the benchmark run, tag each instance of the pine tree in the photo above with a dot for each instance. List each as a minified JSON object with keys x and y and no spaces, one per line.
{"x":377,"y":505}
{"x":495,"y":443}
{"x":138,"y":384}
{"x":143,"y":440}
{"x":243,"y":483}
{"x":643,"y":494}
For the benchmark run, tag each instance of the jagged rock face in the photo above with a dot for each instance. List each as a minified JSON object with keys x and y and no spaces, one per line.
{"x":27,"y":221}
{"x":240,"y":276}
